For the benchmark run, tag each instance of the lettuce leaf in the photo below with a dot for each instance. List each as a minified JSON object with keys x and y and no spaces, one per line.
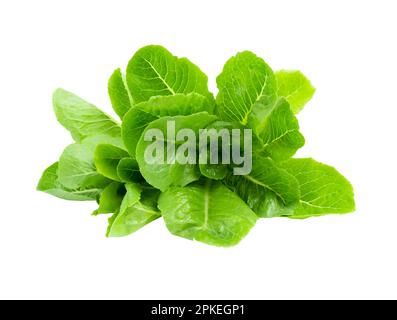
{"x":206,"y":211}
{"x":295,"y":88}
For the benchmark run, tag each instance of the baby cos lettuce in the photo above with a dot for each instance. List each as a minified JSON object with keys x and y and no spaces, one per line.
{"x":206,"y":203}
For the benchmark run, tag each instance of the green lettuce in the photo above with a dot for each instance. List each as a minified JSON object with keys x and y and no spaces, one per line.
{"x":205,"y":201}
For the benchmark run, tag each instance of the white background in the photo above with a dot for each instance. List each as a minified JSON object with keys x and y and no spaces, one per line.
{"x":51,"y":248}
